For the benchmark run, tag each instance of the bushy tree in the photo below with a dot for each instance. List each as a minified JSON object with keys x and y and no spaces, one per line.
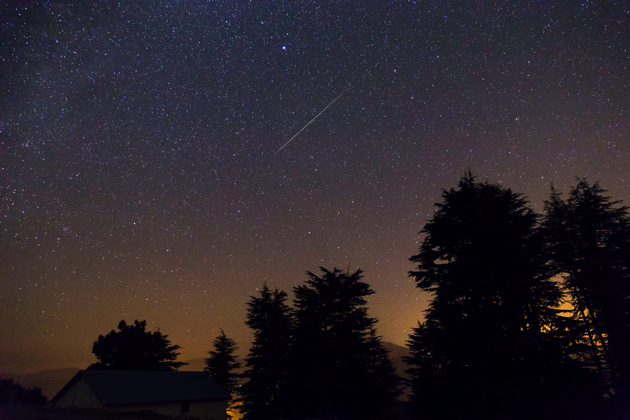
{"x":222,"y":364}
{"x":134,"y":348}
{"x":588,"y":238}
{"x":339,"y":365}
{"x":271,"y":320}
{"x":12,"y":392}
{"x":492,"y":332}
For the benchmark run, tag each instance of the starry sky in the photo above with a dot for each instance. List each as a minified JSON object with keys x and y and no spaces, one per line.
{"x":139,"y":168}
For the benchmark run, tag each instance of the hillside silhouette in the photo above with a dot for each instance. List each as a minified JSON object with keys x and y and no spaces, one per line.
{"x":49,"y":380}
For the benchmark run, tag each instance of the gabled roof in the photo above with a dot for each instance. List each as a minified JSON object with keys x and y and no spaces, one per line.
{"x":115,"y":387}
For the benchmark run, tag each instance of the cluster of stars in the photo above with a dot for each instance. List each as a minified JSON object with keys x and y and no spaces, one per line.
{"x":138,"y":174}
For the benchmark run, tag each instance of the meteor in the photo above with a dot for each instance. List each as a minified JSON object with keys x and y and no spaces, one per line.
{"x":309,"y":123}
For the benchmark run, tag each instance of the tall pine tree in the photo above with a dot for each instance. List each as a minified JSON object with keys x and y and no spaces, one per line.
{"x":272,"y":322}
{"x":339,"y":365}
{"x":222,"y":363}
{"x":492,"y":332}
{"x":588,"y":238}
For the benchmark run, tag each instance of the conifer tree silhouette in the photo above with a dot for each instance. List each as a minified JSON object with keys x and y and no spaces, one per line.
{"x":492,"y":333}
{"x":222,"y":364}
{"x":588,"y":238}
{"x":339,"y":366}
{"x":271,"y":320}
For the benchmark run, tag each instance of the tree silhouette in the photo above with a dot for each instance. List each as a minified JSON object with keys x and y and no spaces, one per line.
{"x":12,"y":392}
{"x":588,"y":238}
{"x":272,"y":322}
{"x":339,"y":366}
{"x":222,"y":364}
{"x":134,"y":348}
{"x":425,"y":374}
{"x":492,"y":332}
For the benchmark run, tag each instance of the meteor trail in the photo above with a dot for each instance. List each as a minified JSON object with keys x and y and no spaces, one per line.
{"x":309,"y":123}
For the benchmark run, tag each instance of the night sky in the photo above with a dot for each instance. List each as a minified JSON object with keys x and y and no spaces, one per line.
{"x":138,"y":162}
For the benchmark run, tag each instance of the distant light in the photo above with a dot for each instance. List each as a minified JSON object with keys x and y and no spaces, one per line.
{"x":284,"y":48}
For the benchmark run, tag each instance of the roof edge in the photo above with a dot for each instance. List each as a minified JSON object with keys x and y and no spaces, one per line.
{"x":71,"y":382}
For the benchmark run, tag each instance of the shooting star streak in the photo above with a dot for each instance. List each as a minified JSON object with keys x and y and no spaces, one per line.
{"x":309,"y":123}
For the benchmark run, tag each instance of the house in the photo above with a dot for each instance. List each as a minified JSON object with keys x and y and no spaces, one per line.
{"x":171,"y":393}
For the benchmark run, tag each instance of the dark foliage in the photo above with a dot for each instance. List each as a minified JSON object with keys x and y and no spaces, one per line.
{"x":338,"y":364}
{"x":49,"y":412}
{"x":134,"y":348}
{"x":272,"y":323}
{"x":493,"y":343}
{"x":12,"y":392}
{"x":222,"y":364}
{"x":588,"y":238}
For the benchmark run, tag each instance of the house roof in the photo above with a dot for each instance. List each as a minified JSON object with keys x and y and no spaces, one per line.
{"x":116,"y":387}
